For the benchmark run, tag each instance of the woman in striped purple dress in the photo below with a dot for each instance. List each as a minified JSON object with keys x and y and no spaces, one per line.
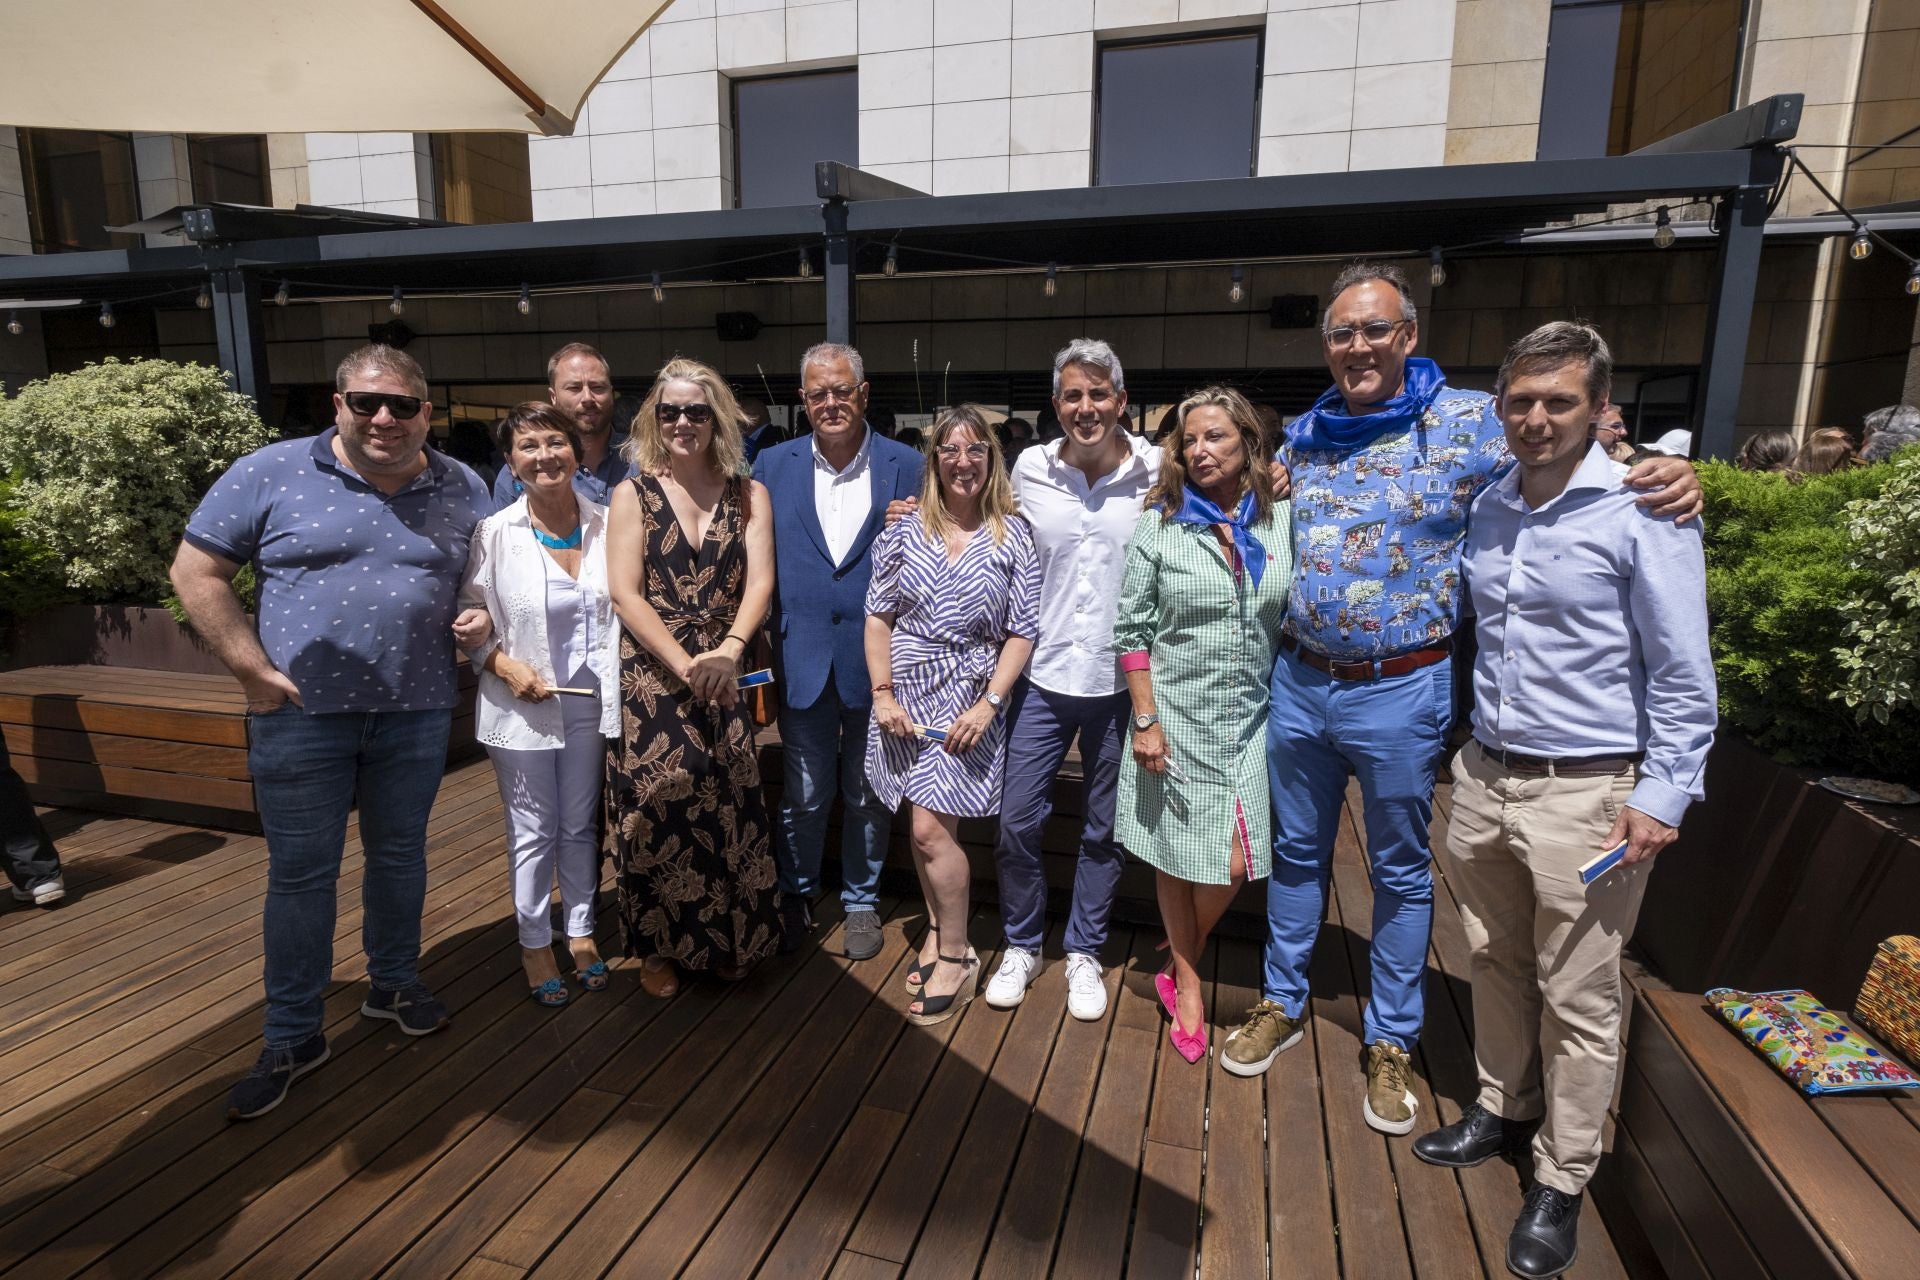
{"x":951,"y":613}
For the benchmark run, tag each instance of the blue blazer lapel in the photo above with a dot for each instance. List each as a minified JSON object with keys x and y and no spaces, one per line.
{"x":801,"y":490}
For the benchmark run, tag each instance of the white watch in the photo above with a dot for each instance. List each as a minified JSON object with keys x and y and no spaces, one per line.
{"x":995,"y":701}
{"x":1144,"y":722}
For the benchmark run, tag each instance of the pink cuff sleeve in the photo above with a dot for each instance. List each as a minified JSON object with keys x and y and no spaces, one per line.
{"x":1135,"y":661}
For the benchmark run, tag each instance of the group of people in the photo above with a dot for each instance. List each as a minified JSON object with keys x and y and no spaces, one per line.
{"x":1227,"y":634}
{"x":1883,"y":433}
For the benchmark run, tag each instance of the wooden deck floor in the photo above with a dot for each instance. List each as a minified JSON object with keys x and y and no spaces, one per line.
{"x":792,"y":1126}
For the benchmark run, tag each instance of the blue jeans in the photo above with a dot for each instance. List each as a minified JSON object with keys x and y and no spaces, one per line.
{"x":1041,"y":725}
{"x":1388,"y":733}
{"x":825,"y":751}
{"x":308,"y":772}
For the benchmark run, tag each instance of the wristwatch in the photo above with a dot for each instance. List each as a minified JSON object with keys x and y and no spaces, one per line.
{"x":995,"y":701}
{"x":1142,"y":723}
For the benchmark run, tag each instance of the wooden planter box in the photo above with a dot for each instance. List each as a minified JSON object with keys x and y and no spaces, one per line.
{"x":110,"y":635}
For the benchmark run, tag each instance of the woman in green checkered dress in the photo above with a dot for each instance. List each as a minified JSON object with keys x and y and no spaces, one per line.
{"x":1200,"y":613}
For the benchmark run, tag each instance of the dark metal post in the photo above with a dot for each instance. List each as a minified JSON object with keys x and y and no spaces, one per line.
{"x":1736,"y":280}
{"x":241,"y":333}
{"x":841,"y":284}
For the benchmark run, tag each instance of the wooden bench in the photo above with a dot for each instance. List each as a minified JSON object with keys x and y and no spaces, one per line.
{"x":168,"y":745}
{"x":1730,"y":1171}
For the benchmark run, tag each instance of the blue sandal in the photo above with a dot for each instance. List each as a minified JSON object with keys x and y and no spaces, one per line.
{"x":593,"y":977}
{"x":551,"y":994}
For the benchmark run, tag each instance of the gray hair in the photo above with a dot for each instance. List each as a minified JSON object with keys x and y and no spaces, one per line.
{"x":1893,"y":415}
{"x":377,"y":357}
{"x":1091,"y":353}
{"x":827,"y":353}
{"x":1557,"y":343}
{"x":1364,"y":272}
{"x":1895,"y":435}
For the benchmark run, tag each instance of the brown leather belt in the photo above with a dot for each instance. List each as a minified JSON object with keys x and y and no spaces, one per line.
{"x":1561,"y":766}
{"x":1365,"y":669}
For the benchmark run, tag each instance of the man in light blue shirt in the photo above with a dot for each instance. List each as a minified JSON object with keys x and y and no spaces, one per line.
{"x":1594,"y":709}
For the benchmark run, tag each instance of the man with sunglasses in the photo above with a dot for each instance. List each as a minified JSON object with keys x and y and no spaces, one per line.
{"x":580,"y":383}
{"x":358,"y":537}
{"x":830,"y":490}
{"x":1384,"y":468}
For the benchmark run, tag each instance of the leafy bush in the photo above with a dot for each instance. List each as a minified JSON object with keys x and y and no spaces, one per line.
{"x":1882,"y":655}
{"x":109,"y":462}
{"x":30,"y":577}
{"x":1780,"y":579}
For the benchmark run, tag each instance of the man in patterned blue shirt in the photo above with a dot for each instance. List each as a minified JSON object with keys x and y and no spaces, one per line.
{"x":1385,"y":466}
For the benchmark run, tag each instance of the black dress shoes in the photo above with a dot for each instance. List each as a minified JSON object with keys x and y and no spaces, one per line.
{"x":1477,"y":1136}
{"x":1543,"y":1241}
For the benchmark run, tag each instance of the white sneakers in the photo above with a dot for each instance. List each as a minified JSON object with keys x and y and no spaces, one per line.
{"x":44,"y":894}
{"x":1008,"y":986}
{"x":1086,"y":994}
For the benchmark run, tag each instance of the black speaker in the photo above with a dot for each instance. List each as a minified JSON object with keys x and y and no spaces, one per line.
{"x":394,"y":333}
{"x":736,"y":326}
{"x":1294,"y":311}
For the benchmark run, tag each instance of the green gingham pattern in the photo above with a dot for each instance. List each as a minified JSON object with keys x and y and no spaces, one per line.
{"x":1211,"y":644}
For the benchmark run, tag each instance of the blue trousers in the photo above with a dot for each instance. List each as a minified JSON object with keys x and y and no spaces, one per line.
{"x":825,"y":751}
{"x":308,"y":772}
{"x":1389,"y":734}
{"x":1041,"y":725}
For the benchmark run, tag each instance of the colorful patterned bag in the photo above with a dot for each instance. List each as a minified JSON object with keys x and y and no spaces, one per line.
{"x":1809,"y":1043}
{"x":1889,"y":1004}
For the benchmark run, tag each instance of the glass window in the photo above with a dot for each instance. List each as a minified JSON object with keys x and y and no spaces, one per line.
{"x":482,"y":177}
{"x":230,"y":168}
{"x":784,"y":126}
{"x":1625,"y":73}
{"x":1169,"y":112}
{"x":79,"y":183}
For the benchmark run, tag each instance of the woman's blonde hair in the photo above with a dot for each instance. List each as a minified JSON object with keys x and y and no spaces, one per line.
{"x":646,"y":448}
{"x":1169,"y":491}
{"x":996,"y":495}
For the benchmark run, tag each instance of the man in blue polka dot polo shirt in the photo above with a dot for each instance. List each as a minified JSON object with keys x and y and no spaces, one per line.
{"x":358,"y":537}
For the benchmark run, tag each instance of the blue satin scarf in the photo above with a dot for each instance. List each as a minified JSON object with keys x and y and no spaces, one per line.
{"x":1197,"y":508}
{"x":1329,"y":426}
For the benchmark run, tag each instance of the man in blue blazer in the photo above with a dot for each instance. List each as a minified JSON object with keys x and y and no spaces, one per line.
{"x":830,"y":490}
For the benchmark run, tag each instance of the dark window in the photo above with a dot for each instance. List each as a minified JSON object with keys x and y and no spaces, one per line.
{"x":1625,"y":73}
{"x":230,"y":168}
{"x":482,"y":177}
{"x":1179,"y":110}
{"x":784,"y":126}
{"x":79,"y":183}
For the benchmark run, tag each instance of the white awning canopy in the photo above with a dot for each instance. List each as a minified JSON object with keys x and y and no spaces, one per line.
{"x":310,"y":66}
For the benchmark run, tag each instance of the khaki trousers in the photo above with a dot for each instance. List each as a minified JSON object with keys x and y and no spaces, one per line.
{"x":1546,"y":950}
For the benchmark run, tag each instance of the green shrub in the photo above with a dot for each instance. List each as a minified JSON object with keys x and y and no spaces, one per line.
{"x":1882,"y":654}
{"x":109,"y":462}
{"x":1780,"y":579}
{"x":30,"y":577}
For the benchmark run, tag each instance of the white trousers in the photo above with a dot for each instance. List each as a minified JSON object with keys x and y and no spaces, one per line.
{"x":552,"y":800}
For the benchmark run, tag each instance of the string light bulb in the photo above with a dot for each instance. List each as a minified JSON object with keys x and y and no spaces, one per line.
{"x":1862,"y":246}
{"x":1437,"y":270}
{"x":15,"y":328}
{"x":1662,"y":228}
{"x":525,"y":305}
{"x":806,"y":266}
{"x":1052,"y":286}
{"x":1913,"y":285}
{"x":893,"y":261}
{"x":203,"y":299}
{"x":1238,"y":291}
{"x":282,"y":294}
{"x":399,"y":304}
{"x":106,"y":315}
{"x":659,"y":288}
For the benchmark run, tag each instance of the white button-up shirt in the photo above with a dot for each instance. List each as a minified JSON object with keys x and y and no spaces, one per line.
{"x":843,"y":499}
{"x":1081,"y":532}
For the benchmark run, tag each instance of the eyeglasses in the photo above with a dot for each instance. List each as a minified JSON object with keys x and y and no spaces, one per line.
{"x":365,"y":404}
{"x":823,"y":395}
{"x":698,"y":414}
{"x":975,"y":451}
{"x":1374,"y":331}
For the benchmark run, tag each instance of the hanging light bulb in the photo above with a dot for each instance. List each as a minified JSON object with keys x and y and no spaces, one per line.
{"x":15,"y":328}
{"x":806,"y":266}
{"x":106,"y":315}
{"x":1238,"y":291}
{"x":1052,"y":285}
{"x":1862,"y":246}
{"x":399,"y":304}
{"x":659,"y":288}
{"x":281,"y":295}
{"x":1437,"y":272}
{"x":893,"y":260}
{"x":1913,"y":286}
{"x":525,"y":305}
{"x":1662,"y":228}
{"x":203,"y":299}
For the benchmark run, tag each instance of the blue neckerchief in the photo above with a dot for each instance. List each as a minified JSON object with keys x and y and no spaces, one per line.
{"x":1329,"y":426}
{"x":1197,"y":508}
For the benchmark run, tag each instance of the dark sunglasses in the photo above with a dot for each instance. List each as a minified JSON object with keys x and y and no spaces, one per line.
{"x":698,"y":414}
{"x":365,"y":404}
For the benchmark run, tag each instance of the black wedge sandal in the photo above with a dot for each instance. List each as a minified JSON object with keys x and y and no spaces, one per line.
{"x":937,"y":1009}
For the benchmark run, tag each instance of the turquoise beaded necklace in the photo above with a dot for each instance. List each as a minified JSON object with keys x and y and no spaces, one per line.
{"x":567,"y":543}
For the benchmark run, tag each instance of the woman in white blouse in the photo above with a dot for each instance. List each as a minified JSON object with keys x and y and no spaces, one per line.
{"x":549,"y":694}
